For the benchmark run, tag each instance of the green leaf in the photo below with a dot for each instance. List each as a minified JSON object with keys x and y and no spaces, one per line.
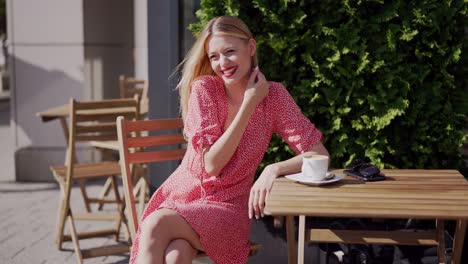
{"x":382,"y":80}
{"x":408,"y":33}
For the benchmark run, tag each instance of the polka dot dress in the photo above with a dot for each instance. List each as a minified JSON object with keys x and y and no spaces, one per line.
{"x":216,"y":206}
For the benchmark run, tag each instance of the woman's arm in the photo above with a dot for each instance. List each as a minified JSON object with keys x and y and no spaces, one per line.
{"x":219,"y":154}
{"x":293,"y":165}
{"x":263,"y":184}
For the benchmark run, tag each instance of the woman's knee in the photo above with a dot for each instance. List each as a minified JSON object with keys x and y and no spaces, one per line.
{"x":179,"y":251}
{"x":155,"y":225}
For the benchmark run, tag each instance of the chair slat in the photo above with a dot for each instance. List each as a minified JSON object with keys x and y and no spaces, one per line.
{"x":133,"y":90}
{"x":129,"y":87}
{"x":105,"y":251}
{"x":159,"y":140}
{"x":96,"y":137}
{"x":104,"y":116}
{"x":108,"y":103}
{"x":133,"y":81}
{"x":153,"y":125}
{"x":97,"y":127}
{"x":156,"y":156}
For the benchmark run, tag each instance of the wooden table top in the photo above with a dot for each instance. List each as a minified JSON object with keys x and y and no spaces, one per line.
{"x":64,"y":110}
{"x":424,"y":194}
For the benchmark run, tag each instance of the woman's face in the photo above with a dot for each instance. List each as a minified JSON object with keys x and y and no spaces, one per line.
{"x":231,"y":58}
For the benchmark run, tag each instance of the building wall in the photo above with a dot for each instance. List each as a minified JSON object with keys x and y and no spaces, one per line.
{"x":163,"y":57}
{"x":61,"y":49}
{"x":108,"y":45}
{"x":140,"y":10}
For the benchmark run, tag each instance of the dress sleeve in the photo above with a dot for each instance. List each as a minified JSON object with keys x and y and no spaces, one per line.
{"x":289,"y":122}
{"x":202,"y":125}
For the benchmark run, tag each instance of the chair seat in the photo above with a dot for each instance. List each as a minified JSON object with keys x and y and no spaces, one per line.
{"x":105,"y":251}
{"x":89,"y":170}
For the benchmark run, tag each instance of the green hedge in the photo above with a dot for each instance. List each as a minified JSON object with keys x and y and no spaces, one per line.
{"x":383,"y":80}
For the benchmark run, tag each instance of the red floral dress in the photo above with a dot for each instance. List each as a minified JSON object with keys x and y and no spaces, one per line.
{"x":216,"y":207}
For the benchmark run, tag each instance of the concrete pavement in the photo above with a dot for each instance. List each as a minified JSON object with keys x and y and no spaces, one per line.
{"x":27,"y":223}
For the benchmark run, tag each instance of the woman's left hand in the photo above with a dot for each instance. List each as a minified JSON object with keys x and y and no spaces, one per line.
{"x":260,"y":191}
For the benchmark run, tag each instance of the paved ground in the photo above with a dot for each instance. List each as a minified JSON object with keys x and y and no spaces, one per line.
{"x":27,"y":224}
{"x":28,"y":214}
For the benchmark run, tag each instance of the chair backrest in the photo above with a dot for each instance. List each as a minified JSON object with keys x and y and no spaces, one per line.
{"x":129,"y":87}
{"x":96,"y":121}
{"x":137,"y":147}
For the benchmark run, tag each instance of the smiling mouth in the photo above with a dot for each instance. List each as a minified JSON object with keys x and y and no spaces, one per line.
{"x":229,"y":72}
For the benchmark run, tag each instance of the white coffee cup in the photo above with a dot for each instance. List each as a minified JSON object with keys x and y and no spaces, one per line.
{"x":315,"y":167}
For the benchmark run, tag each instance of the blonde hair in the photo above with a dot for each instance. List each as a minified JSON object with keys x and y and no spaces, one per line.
{"x":197,"y":63}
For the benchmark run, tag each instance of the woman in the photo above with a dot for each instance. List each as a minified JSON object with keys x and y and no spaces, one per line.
{"x":230,"y":112}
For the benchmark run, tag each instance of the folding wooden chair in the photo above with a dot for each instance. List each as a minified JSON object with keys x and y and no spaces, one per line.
{"x":137,"y":149}
{"x":91,"y":121}
{"x":129,"y":88}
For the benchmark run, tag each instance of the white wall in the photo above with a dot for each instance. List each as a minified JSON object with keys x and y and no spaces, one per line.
{"x":108,"y":44}
{"x":46,"y":48}
{"x":141,"y":38}
{"x":61,"y":49}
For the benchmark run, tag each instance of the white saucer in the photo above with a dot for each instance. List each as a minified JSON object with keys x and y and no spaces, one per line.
{"x":299,"y":177}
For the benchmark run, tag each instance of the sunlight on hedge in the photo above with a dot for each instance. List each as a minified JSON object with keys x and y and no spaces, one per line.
{"x":382,"y":81}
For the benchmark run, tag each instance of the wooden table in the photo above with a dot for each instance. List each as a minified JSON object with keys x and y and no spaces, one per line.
{"x":63,"y":111}
{"x":418,"y":194}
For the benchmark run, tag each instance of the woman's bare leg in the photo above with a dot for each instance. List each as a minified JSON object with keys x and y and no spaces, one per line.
{"x":179,"y":251}
{"x":158,"y":230}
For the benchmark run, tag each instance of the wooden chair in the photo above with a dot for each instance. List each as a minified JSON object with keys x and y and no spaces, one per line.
{"x":129,"y":88}
{"x":137,"y":149}
{"x":91,"y":121}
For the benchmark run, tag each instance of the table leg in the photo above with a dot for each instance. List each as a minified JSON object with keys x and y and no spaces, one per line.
{"x":458,"y":241}
{"x":63,"y":123}
{"x":290,"y":239}
{"x":440,"y":240}
{"x":301,"y":240}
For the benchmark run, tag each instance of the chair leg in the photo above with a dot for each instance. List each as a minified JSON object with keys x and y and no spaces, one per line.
{"x":85,"y":195}
{"x":74,"y":237}
{"x":142,"y":197}
{"x":137,"y":188}
{"x":146,"y":187}
{"x":136,"y":176}
{"x":104,"y":192}
{"x":301,"y":240}
{"x":124,"y":216}
{"x":61,"y":217}
{"x":119,"y":206}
